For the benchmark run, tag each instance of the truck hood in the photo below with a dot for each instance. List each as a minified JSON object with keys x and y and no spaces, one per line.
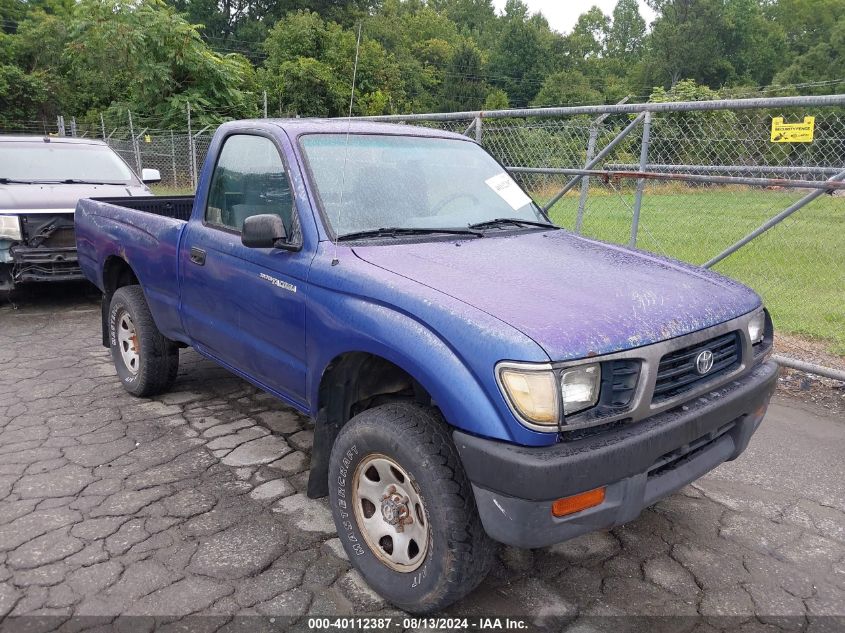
{"x":21,"y":198}
{"x":573,"y":296}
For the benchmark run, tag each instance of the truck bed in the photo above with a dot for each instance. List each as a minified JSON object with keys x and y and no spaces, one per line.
{"x":145,"y":234}
{"x":176,"y":207}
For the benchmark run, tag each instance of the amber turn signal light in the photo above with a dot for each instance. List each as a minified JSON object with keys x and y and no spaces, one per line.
{"x":576,"y":503}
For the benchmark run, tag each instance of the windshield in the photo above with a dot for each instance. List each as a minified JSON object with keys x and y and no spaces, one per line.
{"x":410,"y":182}
{"x":40,"y":161}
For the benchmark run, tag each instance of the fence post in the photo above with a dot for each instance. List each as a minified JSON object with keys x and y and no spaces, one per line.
{"x":103,"y":126}
{"x":265,"y":104}
{"x":638,"y":197}
{"x":173,"y":156}
{"x":192,"y":159}
{"x":135,"y":149}
{"x":73,"y":126}
{"x":60,"y":125}
{"x":585,"y":182}
{"x":478,"y":129}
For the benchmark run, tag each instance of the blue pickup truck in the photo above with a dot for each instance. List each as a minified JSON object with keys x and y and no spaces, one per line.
{"x":474,"y":373}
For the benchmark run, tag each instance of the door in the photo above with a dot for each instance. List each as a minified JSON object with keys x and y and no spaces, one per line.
{"x":246,"y":306}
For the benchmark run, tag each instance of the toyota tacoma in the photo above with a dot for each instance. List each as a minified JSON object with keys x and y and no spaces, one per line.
{"x":474,"y":373}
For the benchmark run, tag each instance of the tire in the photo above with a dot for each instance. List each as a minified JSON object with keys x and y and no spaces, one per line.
{"x":453,"y":554}
{"x":146,"y":361}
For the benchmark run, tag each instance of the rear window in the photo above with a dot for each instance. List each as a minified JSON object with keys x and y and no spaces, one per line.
{"x":62,"y":161}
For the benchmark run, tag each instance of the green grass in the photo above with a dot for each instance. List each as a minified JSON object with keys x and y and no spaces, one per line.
{"x":798,"y":267}
{"x":167,"y":190}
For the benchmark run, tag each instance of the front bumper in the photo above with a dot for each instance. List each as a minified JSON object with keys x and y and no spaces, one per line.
{"x":639,"y":463}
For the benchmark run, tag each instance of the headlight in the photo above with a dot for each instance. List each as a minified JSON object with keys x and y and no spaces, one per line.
{"x":757,"y":327}
{"x":580,"y":387}
{"x":532,"y":393}
{"x":10,"y":228}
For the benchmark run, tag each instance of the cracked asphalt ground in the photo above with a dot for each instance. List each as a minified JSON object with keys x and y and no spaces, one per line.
{"x":192,"y":503}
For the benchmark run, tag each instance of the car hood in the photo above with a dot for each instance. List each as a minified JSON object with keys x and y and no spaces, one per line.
{"x":53,"y":198}
{"x":573,"y":296}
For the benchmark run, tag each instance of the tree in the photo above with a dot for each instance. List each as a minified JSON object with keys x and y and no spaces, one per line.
{"x":589,"y":35}
{"x":82,"y":57}
{"x":523,"y":53}
{"x":685,"y":42}
{"x":476,"y":18}
{"x":306,"y":87}
{"x":22,"y":94}
{"x":496,"y":99}
{"x":306,"y":54}
{"x":806,"y":23}
{"x":753,"y":43}
{"x":126,"y":54}
{"x":463,"y":86}
{"x":626,"y":35}
{"x":824,"y":61}
{"x":568,"y":87}
{"x":421,"y":41}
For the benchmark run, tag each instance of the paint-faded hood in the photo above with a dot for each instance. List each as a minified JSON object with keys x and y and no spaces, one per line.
{"x":53,"y":198}
{"x":574,"y":297}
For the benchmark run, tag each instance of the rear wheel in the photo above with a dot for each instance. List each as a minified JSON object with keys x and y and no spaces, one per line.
{"x":404,"y":508}
{"x":146,"y":361}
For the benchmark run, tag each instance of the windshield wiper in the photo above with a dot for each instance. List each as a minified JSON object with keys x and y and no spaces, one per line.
{"x":59,"y":181}
{"x":512,"y":221}
{"x":79,"y":181}
{"x":399,"y":230}
{"x":17,"y":181}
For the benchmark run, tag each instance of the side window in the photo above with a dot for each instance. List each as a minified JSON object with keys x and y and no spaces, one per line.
{"x":249,"y":179}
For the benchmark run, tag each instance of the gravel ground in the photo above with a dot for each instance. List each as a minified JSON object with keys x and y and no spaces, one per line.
{"x":193,"y":504}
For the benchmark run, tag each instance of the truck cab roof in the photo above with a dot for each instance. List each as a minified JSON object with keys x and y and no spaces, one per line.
{"x":300,"y":127}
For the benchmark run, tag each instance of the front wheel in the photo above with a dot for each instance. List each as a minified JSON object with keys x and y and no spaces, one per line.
{"x":404,"y":509}
{"x":146,"y":361}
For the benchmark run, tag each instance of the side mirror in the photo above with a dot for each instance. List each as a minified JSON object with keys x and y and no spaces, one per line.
{"x":150,"y":175}
{"x":263,"y":231}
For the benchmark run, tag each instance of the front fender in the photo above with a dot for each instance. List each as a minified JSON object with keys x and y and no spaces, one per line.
{"x":343,"y":323}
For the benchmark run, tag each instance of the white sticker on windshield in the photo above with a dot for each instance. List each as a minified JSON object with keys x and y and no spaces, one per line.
{"x":508,"y":190}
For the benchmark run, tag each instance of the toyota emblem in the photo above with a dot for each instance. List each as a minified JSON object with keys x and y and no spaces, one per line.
{"x":704,"y":362}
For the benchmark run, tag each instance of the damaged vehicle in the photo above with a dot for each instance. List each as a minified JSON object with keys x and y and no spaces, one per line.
{"x":475,"y":374}
{"x":41,"y":180}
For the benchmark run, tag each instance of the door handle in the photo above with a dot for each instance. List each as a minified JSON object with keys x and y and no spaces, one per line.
{"x":197,"y":256}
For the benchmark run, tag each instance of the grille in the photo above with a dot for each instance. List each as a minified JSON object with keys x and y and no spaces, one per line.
{"x":620,"y":380}
{"x":677,"y":374}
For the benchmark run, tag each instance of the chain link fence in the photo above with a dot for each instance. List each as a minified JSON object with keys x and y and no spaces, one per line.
{"x":685,"y":180}
{"x":177,"y":156}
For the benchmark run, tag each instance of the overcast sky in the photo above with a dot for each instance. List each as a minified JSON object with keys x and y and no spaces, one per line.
{"x":563,"y":14}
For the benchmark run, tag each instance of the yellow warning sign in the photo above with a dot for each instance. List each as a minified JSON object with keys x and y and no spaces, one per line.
{"x":148,"y":138}
{"x":793,"y":132}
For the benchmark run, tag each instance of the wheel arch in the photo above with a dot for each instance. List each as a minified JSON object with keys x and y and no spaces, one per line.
{"x":116,"y":273}
{"x":410,"y":363}
{"x":352,"y":382}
